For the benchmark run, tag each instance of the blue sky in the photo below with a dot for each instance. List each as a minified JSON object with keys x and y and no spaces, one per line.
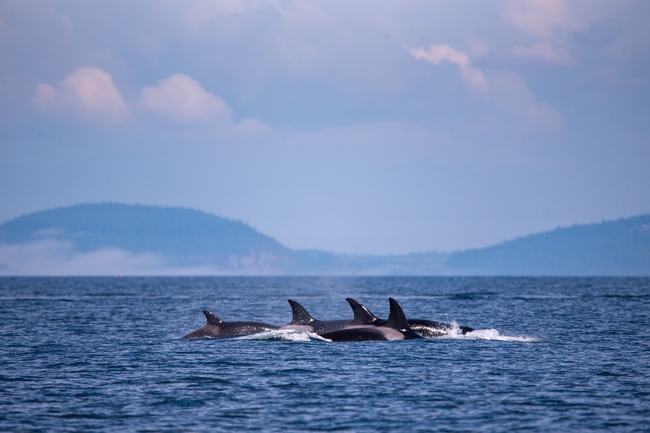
{"x":360,"y":127}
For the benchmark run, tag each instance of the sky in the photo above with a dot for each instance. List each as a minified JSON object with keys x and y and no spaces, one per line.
{"x":353,"y":127}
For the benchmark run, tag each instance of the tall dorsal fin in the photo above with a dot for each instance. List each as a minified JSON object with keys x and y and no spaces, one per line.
{"x":212,"y":319}
{"x":396,"y":318}
{"x":362,"y":316}
{"x":300,"y":315}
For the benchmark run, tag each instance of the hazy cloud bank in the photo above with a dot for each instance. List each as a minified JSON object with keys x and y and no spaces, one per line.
{"x":57,"y":258}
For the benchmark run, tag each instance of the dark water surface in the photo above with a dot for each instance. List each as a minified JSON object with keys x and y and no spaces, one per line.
{"x":105,"y":354}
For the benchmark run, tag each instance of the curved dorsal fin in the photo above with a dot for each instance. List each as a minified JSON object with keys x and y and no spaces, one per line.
{"x":212,"y":319}
{"x":362,"y":316}
{"x":396,"y":318}
{"x":300,"y":315}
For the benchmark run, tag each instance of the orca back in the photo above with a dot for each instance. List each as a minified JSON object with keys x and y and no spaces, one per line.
{"x":216,"y":328}
{"x":362,"y":316}
{"x":211,"y":318}
{"x":300,"y":315}
{"x":395,"y":328}
{"x":396,"y":318}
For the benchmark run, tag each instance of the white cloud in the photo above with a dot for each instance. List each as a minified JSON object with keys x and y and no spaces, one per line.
{"x":196,"y":13}
{"x":182,"y":100}
{"x":512,"y":94}
{"x":545,"y":51}
{"x":551,"y":24}
{"x":477,"y":47}
{"x":88,"y":94}
{"x":438,"y":53}
{"x":28,"y":21}
{"x":504,"y":89}
{"x":547,"y":21}
{"x":252,"y":127}
{"x":539,"y":18}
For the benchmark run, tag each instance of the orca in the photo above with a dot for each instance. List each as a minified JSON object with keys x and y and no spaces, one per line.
{"x":395,"y":328}
{"x":302,"y":321}
{"x":216,"y":328}
{"x":424,"y":328}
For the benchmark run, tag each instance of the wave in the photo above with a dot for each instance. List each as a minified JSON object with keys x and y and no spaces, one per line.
{"x":454,"y":333}
{"x":485,"y":334}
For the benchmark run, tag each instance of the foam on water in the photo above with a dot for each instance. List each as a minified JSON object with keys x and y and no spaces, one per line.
{"x":284,"y":335}
{"x":485,"y":334}
{"x":493,"y":334}
{"x":454,"y":333}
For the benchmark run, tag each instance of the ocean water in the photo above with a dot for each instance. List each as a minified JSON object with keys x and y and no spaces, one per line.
{"x":106,"y":354}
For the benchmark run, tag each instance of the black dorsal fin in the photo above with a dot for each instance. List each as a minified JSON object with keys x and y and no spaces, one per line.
{"x":396,"y":318}
{"x":212,"y":319}
{"x":362,"y":316}
{"x":300,"y":315}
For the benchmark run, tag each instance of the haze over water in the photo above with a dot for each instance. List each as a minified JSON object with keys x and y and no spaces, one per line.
{"x":105,"y":354}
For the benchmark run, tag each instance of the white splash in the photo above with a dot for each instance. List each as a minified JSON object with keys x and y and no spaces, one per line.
{"x":284,"y":335}
{"x":485,"y":334}
{"x":454,"y":333}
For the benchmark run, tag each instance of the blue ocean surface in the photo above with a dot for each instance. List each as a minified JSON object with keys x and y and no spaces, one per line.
{"x":106,"y":354}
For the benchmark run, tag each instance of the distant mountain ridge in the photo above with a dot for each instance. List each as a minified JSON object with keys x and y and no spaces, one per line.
{"x":620,"y":247}
{"x":184,"y":236}
{"x":181,"y":238}
{"x":169,"y":230}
